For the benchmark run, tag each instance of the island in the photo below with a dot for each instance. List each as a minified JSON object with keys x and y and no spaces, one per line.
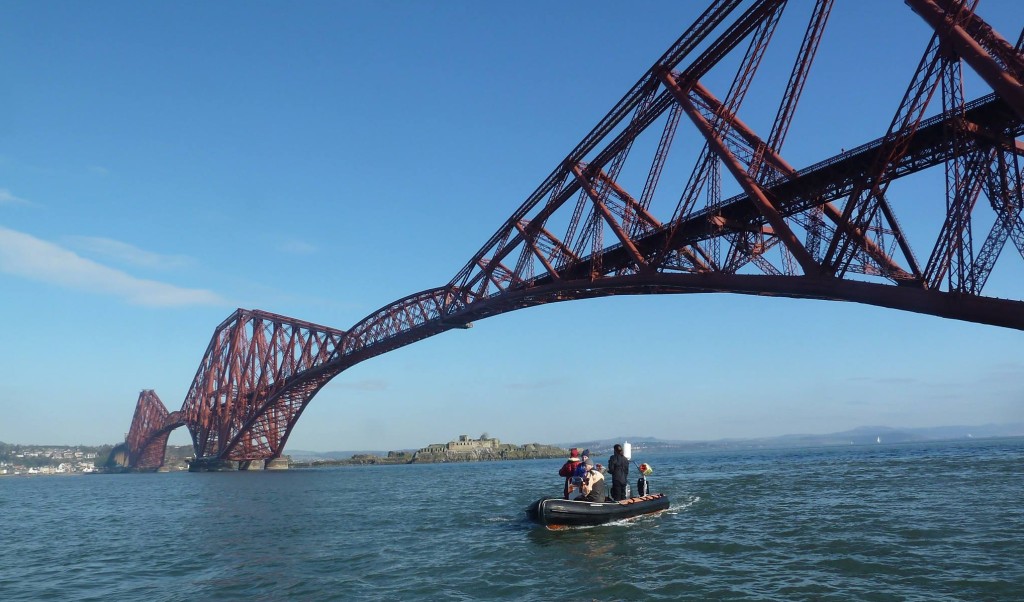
{"x":464,"y":449}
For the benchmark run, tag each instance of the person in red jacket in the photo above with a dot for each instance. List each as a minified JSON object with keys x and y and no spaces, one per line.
{"x":568,"y":469}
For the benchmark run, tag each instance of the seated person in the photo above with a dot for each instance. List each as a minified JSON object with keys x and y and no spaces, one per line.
{"x":592,"y":487}
{"x":581,"y":466}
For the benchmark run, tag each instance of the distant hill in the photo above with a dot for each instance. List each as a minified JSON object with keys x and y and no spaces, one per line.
{"x":601,"y":448}
{"x":300,"y":455}
{"x":863,"y":435}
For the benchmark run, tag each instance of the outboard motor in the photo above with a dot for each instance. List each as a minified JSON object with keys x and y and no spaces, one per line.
{"x":641,"y":486}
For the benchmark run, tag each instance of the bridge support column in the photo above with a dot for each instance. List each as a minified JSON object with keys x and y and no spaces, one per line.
{"x":276,"y":464}
{"x":211,"y":465}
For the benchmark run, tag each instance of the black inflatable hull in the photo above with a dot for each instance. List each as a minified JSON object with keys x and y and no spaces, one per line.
{"x":554,"y":511}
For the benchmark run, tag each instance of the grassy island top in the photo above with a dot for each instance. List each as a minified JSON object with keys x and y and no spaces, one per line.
{"x":463,"y":449}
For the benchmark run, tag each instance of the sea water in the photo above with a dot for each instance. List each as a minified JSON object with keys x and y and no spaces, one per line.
{"x":928,"y":521}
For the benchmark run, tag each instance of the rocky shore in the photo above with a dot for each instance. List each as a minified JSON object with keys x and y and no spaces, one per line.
{"x":464,"y":449}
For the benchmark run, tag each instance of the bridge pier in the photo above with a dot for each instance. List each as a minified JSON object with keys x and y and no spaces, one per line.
{"x":216,"y":465}
{"x":211,"y":465}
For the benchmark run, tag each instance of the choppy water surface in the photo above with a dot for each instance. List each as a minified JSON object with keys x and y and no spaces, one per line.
{"x":941,"y":521}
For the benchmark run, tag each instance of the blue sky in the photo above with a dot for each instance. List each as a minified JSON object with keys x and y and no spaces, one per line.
{"x":164,"y":163}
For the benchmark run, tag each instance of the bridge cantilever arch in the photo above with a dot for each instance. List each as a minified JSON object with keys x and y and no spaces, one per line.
{"x":684,"y":187}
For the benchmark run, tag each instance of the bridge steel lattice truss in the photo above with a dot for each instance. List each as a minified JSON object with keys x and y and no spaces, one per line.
{"x":826,"y":231}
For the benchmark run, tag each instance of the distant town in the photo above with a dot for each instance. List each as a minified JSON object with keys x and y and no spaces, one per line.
{"x":25,"y":460}
{"x":18,"y":460}
{"x":51,"y":459}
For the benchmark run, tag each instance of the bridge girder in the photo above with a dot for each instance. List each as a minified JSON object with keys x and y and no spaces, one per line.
{"x":826,"y":231}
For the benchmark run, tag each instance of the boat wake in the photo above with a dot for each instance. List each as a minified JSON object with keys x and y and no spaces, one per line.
{"x":675,"y":508}
{"x":680,"y":506}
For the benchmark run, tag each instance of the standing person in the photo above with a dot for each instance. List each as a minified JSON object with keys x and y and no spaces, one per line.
{"x":569,"y":469}
{"x":592,"y":487}
{"x":618,"y":465}
{"x":581,"y":469}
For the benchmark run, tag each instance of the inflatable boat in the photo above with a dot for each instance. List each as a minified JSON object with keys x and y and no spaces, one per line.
{"x":555,"y":511}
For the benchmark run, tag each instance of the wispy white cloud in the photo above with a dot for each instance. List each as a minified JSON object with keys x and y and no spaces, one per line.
{"x":6,"y":198}
{"x":125,"y":253}
{"x":884,"y":380}
{"x":297,"y":247}
{"x":29,"y":257}
{"x":545,"y":383}
{"x":1010,"y":370}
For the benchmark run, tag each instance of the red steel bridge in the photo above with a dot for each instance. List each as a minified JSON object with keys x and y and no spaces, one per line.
{"x":741,"y":218}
